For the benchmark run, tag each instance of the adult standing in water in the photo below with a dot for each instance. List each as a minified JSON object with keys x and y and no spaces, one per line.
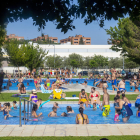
{"x":48,"y":83}
{"x":125,"y":109}
{"x":121,"y":85}
{"x":82,"y":118}
{"x":83,"y":97}
{"x":94,"y":96}
{"x":113,"y":78}
{"x":105,"y":105}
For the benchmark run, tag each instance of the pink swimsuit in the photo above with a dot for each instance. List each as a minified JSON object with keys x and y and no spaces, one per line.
{"x":116,"y":118}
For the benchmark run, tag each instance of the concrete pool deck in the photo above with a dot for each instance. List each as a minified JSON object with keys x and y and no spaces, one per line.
{"x":70,"y":130}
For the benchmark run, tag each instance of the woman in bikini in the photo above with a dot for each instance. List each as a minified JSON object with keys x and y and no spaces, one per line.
{"x":83,"y":97}
{"x":82,"y":118}
{"x":22,"y":89}
{"x":94,"y":96}
{"x":33,"y":96}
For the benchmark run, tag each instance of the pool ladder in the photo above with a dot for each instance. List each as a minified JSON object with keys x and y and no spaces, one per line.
{"x":28,"y":102}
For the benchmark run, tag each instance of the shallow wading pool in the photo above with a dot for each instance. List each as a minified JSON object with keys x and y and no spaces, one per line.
{"x":95,"y":117}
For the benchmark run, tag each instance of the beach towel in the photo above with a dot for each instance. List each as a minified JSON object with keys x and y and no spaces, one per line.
{"x":43,"y":90}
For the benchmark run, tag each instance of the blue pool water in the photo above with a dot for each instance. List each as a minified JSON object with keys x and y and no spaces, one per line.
{"x":95,"y":117}
{"x":89,"y":82}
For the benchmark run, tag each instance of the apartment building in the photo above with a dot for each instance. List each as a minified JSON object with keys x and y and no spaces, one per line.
{"x":75,"y":40}
{"x":55,"y":39}
{"x":11,"y":36}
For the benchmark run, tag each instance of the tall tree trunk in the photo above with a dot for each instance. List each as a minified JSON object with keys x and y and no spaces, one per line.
{"x":18,"y":72}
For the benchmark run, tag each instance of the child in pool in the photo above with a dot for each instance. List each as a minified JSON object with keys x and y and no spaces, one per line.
{"x":53,"y":113}
{"x":34,"y":111}
{"x":55,"y":105}
{"x":138,"y":112}
{"x":15,"y":105}
{"x":82,"y":105}
{"x":64,"y":114}
{"x":6,"y":111}
{"x":117,"y":111}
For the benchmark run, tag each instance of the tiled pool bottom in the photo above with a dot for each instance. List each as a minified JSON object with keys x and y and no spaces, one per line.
{"x":95,"y":117}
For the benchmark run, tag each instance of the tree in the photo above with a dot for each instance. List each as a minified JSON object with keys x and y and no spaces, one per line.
{"x":126,"y":38}
{"x":93,"y":64}
{"x":50,"y":61}
{"x":115,"y":63}
{"x":130,"y":64}
{"x":35,"y":56}
{"x":81,"y":41}
{"x":86,"y":61}
{"x":101,"y":60}
{"x":73,"y":58}
{"x":64,"y":12}
{"x":16,"y":54}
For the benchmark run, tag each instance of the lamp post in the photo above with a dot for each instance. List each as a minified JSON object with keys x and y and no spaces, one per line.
{"x":54,"y":56}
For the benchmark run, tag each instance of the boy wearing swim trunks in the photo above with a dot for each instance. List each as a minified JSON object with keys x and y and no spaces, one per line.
{"x":105,"y":105}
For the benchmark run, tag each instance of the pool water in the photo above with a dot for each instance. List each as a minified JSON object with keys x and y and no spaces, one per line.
{"x":89,"y":82}
{"x":95,"y":117}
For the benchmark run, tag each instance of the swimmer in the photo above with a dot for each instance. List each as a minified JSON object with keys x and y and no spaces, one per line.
{"x":125,"y":98}
{"x":1,"y":108}
{"x":105,"y":105}
{"x":48,"y":83}
{"x":82,"y":105}
{"x":27,"y":84}
{"x":53,"y":113}
{"x":15,"y":105}
{"x":118,"y":93}
{"x":34,"y":112}
{"x":64,"y":114}
{"x":105,"y":84}
{"x":121,"y":85}
{"x":55,"y":105}
{"x":85,"y":83}
{"x":117,"y":111}
{"x":82,"y":118}
{"x":69,"y":109}
{"x":138,"y":112}
{"x":6,"y":111}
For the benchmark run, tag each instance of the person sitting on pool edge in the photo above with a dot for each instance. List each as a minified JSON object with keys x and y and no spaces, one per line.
{"x":83,"y":97}
{"x":136,"y":89}
{"x":69,"y":109}
{"x":82,"y":118}
{"x":53,"y":113}
{"x":105,"y":105}
{"x":34,"y":111}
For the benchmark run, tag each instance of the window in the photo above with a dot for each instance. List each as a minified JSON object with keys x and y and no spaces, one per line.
{"x":87,"y":39}
{"x":54,"y":39}
{"x":87,"y":42}
{"x":75,"y":42}
{"x":76,"y":39}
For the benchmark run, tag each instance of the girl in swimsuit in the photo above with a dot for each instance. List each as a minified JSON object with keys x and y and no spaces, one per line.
{"x":82,"y":118}
{"x":38,"y":83}
{"x":83,"y":97}
{"x":94,"y":96}
{"x":33,"y":96}
{"x":35,"y":82}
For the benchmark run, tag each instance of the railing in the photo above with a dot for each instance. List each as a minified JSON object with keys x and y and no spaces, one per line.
{"x":28,"y":102}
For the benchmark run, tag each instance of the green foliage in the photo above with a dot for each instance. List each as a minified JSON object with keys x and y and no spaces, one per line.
{"x":93,"y":64}
{"x":50,"y":61}
{"x":81,"y":41}
{"x":126,"y":38}
{"x":63,"y":12}
{"x":115,"y":63}
{"x":86,"y":61}
{"x":130,"y":64}
{"x":75,"y":60}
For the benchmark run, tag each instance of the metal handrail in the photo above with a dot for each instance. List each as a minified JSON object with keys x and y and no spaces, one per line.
{"x":20,"y":98}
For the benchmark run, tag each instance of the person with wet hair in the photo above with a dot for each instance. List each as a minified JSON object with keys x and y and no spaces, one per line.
{"x":82,"y":118}
{"x":35,"y":107}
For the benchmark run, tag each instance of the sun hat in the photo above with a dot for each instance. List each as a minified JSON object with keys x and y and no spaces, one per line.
{"x":34,"y":91}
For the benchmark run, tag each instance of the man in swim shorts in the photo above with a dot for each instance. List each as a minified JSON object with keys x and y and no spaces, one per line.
{"x":105,"y":105}
{"x":121,"y":85}
{"x":114,"y":82}
{"x":48,"y":83}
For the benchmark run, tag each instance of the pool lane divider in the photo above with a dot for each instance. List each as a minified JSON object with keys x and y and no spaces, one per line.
{"x":43,"y":103}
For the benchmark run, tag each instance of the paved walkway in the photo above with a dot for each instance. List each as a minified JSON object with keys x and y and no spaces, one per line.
{"x":70,"y":130}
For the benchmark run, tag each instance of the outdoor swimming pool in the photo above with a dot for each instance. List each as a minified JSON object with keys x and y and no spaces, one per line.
{"x":89,"y":82}
{"x":95,"y":117}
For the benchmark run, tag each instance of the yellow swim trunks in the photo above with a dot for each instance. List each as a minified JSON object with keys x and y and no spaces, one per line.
{"x":106,"y":110}
{"x":83,"y":100}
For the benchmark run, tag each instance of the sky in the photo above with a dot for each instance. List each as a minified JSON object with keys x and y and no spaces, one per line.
{"x":29,"y":31}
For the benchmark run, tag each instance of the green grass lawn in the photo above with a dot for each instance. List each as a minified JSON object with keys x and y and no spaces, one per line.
{"x":44,"y":97}
{"x":74,"y":138}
